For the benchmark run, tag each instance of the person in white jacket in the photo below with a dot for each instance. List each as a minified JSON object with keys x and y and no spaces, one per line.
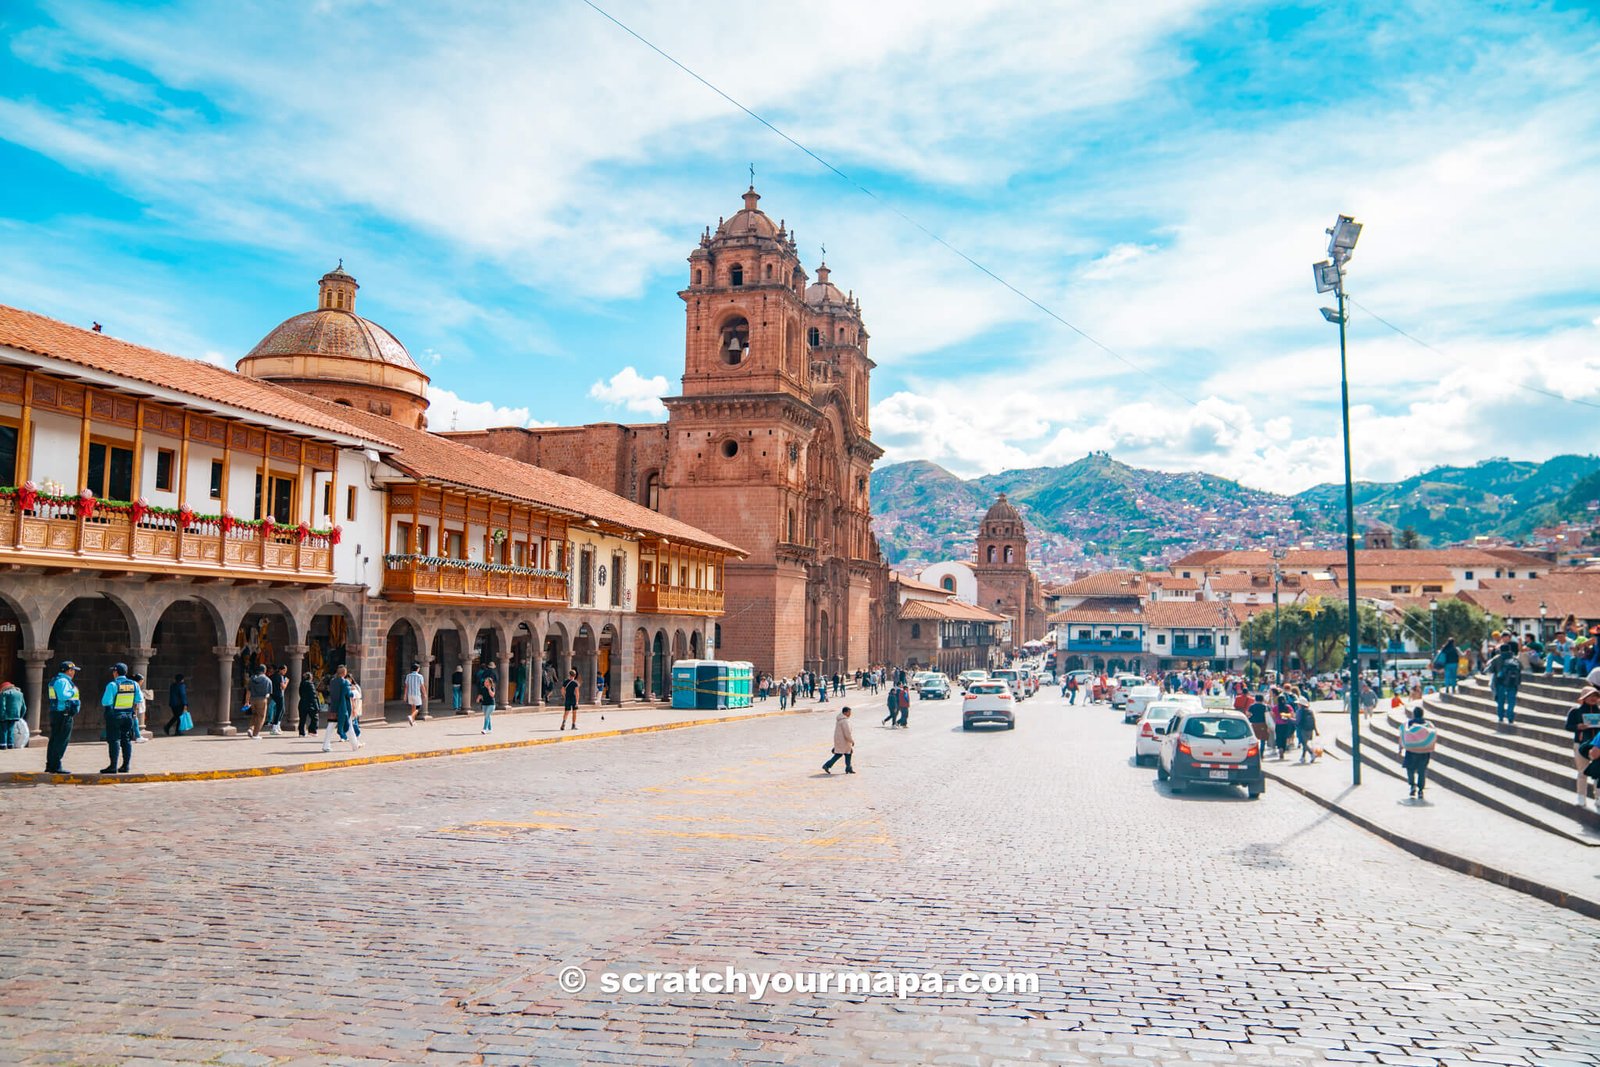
{"x":844,"y":743}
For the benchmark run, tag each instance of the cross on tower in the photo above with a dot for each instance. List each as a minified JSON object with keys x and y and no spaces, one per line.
{"x":752,"y":175}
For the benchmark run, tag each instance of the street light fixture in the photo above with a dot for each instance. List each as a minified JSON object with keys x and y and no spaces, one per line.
{"x":1329,"y":276}
{"x":1543,"y":611}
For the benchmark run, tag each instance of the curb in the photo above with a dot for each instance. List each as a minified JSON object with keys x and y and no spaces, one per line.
{"x":41,"y":778}
{"x":1449,"y":860}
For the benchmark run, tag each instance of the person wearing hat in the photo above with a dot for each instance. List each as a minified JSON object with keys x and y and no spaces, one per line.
{"x":1584,"y":723}
{"x":120,"y":703}
{"x":414,"y":686}
{"x":64,"y":707}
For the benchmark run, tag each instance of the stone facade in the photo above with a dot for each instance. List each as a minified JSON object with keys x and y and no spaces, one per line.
{"x":768,"y":446}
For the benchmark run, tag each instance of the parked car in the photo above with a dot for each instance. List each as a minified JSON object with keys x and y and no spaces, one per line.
{"x":1013,"y":679}
{"x":1030,"y":679}
{"x":989,"y":701}
{"x":966,"y":678}
{"x":1139,"y":698}
{"x":935,"y":688}
{"x":1152,"y":726}
{"x":1210,"y":747}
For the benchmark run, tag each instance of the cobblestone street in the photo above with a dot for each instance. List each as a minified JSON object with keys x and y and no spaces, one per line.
{"x":421,"y":911}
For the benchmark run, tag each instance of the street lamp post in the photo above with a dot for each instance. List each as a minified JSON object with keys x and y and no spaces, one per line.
{"x":1433,"y":635}
{"x":1543,"y":611}
{"x":1277,"y":621}
{"x":1329,"y":274}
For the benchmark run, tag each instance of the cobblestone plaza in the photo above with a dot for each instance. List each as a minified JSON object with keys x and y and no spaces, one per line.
{"x":421,"y":912}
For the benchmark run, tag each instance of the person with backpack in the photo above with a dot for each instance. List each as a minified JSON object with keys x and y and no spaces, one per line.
{"x":1505,"y":671}
{"x":905,"y":707}
{"x":1449,"y":660}
{"x":1305,"y":728}
{"x":1417,"y":741}
{"x":1284,"y":718}
{"x":1072,"y":689}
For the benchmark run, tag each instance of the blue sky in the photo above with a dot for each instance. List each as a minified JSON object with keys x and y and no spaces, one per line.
{"x":517,"y":187}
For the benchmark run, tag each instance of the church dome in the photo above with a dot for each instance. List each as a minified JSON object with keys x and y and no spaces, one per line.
{"x":334,"y":353}
{"x":749,"y":222}
{"x":1002,"y":511}
{"x":822,"y":291}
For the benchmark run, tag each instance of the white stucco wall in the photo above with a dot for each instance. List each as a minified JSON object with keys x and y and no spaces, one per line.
{"x":966,"y":581}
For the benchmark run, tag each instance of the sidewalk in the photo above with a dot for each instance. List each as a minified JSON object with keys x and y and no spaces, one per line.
{"x":1447,"y":828}
{"x":201,"y":757}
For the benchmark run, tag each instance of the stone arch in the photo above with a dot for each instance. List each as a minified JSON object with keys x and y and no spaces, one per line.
{"x":660,"y":666}
{"x":525,"y":649}
{"x":94,"y":631}
{"x":1011,"y":554}
{"x":557,"y":653}
{"x":609,"y":663}
{"x":402,"y":646}
{"x":990,"y":554}
{"x":585,"y":655}
{"x":680,"y":646}
{"x":695,"y":651}
{"x":29,"y":627}
{"x":185,"y":636}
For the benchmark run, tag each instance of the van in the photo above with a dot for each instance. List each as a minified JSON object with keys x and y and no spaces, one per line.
{"x":1013,"y":678}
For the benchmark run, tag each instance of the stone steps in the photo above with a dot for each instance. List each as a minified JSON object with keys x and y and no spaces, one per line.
{"x":1535,"y":789}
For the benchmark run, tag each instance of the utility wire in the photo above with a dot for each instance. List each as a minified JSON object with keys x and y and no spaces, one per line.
{"x":1445,"y":355}
{"x":1108,"y":350}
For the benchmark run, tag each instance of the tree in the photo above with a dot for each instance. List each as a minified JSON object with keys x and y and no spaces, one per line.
{"x":1409,"y":538}
{"x":1315,"y":632}
{"x":1467,"y":623}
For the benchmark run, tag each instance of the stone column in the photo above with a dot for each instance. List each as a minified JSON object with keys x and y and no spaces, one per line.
{"x":222,"y":723}
{"x":33,"y":687}
{"x":291,"y":699}
{"x":139,"y":663}
{"x":502,"y":680}
{"x":425,"y":665}
{"x":563,"y":665}
{"x":621,"y":676}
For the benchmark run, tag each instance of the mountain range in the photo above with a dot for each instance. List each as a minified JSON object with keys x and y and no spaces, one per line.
{"x":1098,"y":512}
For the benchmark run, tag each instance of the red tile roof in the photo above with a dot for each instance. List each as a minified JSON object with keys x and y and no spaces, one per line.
{"x":1187,"y":614}
{"x":418,"y":452}
{"x":951,"y":610}
{"x":1097,"y":615}
{"x":1106,"y":583}
{"x":48,"y":337}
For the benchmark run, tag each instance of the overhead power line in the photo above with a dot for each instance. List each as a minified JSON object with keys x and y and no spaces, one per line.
{"x":925,"y":230}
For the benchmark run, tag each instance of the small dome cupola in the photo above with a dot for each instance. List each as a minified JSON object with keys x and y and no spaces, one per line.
{"x":337,"y":290}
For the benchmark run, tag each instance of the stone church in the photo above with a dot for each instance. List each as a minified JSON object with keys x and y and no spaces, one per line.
{"x":768,"y":446}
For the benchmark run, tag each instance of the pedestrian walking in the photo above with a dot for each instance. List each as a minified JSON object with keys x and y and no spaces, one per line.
{"x":1583,"y":721}
{"x":412,"y":690}
{"x":1284,"y":718}
{"x":259,"y":689}
{"x":1417,"y":741}
{"x":1072,"y":689}
{"x":904,"y":721}
{"x":486,"y":695}
{"x":569,"y":700}
{"x":280,"y":696}
{"x":118,"y":703}
{"x":339,"y":707}
{"x":1305,"y":728}
{"x":65,"y":703}
{"x":456,"y":681}
{"x":893,"y":715}
{"x":12,"y":708}
{"x":177,"y":704}
{"x":844,"y":743}
{"x":1505,"y":669}
{"x":1257,"y":711}
{"x":310,"y":705}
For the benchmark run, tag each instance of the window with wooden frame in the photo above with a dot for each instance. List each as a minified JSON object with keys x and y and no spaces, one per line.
{"x":350,"y":504}
{"x":619,"y":564}
{"x":10,"y":435}
{"x":110,"y":469}
{"x":166,"y":462}
{"x":327,"y":499}
{"x":586,"y":575}
{"x":216,"y":479}
{"x":453,"y":544}
{"x":281,"y":498}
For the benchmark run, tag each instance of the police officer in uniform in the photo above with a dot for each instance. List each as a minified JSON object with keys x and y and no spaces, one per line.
{"x":120,"y":703}
{"x":64,"y":707}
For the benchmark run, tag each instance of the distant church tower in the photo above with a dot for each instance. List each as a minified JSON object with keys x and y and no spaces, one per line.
{"x":768,"y":446}
{"x":1378,"y":536}
{"x":1005,"y":585}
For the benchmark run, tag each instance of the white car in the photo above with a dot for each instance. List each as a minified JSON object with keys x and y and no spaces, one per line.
{"x":1013,"y":679}
{"x":966,"y":678}
{"x":1139,"y":698}
{"x":989,"y":701}
{"x":1030,"y":678}
{"x":1152,"y":725}
{"x":1213,"y":746}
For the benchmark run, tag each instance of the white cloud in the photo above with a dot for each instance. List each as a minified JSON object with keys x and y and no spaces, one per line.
{"x":447,"y":411}
{"x":630,"y":390}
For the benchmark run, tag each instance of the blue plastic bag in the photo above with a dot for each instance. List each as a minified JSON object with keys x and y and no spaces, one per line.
{"x":185,"y":723}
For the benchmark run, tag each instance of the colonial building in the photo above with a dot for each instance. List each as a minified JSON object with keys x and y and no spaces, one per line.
{"x":936,"y":630}
{"x":185,"y":518}
{"x":768,"y":446}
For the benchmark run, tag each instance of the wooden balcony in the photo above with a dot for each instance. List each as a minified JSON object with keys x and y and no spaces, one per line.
{"x":431,"y":580}
{"x":676,"y":600}
{"x":53,"y":534}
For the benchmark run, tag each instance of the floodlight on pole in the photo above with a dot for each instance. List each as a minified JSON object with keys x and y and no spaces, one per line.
{"x":1329,"y":275}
